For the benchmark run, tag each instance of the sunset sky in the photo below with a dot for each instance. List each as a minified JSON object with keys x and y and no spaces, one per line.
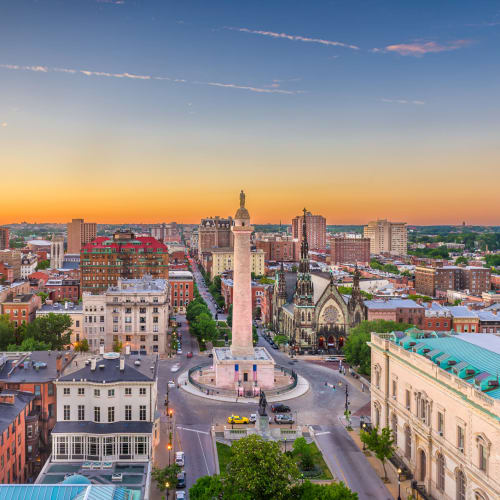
{"x":161,"y":110}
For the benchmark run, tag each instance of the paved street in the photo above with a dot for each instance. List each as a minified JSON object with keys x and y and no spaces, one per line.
{"x":320,"y":407}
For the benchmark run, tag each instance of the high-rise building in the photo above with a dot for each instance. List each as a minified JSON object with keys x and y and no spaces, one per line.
{"x":278,"y":248}
{"x":316,"y":230}
{"x":387,"y":237}
{"x":57,"y":252}
{"x":350,"y":250}
{"x":4,"y":238}
{"x":104,"y":260}
{"x":80,"y":233}
{"x":166,"y":233}
{"x":13,"y":259}
{"x":214,"y":232}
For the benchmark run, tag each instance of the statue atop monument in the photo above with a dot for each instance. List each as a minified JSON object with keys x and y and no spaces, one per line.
{"x":262,"y":404}
{"x":242,"y":213}
{"x":242,"y":199}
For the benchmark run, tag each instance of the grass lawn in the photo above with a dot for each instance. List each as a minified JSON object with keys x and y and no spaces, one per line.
{"x":319,"y":462}
{"x":224,"y":454}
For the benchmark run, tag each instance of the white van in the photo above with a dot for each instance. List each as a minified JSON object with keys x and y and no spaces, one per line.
{"x":179,"y":458}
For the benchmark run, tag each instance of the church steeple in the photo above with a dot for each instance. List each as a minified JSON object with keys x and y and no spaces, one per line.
{"x":304,"y":248}
{"x":281,"y":282}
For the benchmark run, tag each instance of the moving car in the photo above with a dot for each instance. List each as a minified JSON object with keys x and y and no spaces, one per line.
{"x":171,"y":383}
{"x":175,"y":368}
{"x":181,"y":480}
{"x":189,"y":354}
{"x":180,"y":495}
{"x":280,"y":408}
{"x":179,"y":458}
{"x":179,"y":351}
{"x":283,"y":419}
{"x":331,"y":358}
{"x":235,"y":419}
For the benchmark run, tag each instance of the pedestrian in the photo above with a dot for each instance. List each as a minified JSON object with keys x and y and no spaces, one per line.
{"x":334,"y":388}
{"x":326,"y":383}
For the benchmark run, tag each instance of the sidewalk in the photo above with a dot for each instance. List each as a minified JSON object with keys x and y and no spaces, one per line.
{"x":300,"y":389}
{"x":376,"y":464}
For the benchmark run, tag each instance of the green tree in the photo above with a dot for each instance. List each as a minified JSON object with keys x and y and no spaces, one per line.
{"x":253,"y":462}
{"x":280,"y":339}
{"x":44,"y":296}
{"x":462,"y":260}
{"x":7,"y":332}
{"x":29,"y":344}
{"x":230,"y":315}
{"x":82,"y":346}
{"x":43,"y":264}
{"x":166,"y":478}
{"x":303,"y":452}
{"x":381,"y":443}
{"x":52,"y":329}
{"x":204,"y":327}
{"x":356,"y":349}
{"x":117,"y":346}
{"x":207,"y":488}
{"x":312,"y":491}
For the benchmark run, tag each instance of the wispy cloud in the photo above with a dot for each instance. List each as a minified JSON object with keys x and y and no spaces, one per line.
{"x":420,"y":48}
{"x":113,"y":2}
{"x":104,"y":74}
{"x":402,"y":101}
{"x":295,"y":38}
{"x":3,"y":124}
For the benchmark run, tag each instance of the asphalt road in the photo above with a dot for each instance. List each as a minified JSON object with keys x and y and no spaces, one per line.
{"x":320,"y":407}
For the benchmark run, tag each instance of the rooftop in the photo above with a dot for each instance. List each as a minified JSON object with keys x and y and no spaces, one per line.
{"x":180,"y":275}
{"x":88,"y":427}
{"x":392,"y":304}
{"x":66,"y":492}
{"x":57,"y":308}
{"x":135,"y":285}
{"x":9,"y":411}
{"x":138,"y":243}
{"x":462,"y":312}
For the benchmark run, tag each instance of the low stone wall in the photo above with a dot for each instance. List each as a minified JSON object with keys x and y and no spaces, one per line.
{"x":277,"y":433}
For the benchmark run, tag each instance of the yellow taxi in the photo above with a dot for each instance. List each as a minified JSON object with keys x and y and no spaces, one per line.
{"x":235,"y":419}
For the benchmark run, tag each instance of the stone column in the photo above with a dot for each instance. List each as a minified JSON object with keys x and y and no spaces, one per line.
{"x":242,"y":344}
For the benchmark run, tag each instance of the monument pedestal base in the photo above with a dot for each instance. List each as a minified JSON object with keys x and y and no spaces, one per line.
{"x":262,"y":426}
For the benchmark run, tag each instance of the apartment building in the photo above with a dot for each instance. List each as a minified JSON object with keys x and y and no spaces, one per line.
{"x":74,"y":311}
{"x":134,"y":312}
{"x":349,"y":251}
{"x":105,"y":260}
{"x":315,"y":228}
{"x":106,"y":410}
{"x":214,"y":232}
{"x":387,"y":237}
{"x":79,"y":234}
{"x":280,"y":248}
{"x":4,"y":238}
{"x":181,"y":290}
{"x":21,"y":308}
{"x":222,"y":259}
{"x":441,"y":398}
{"x":399,"y":310}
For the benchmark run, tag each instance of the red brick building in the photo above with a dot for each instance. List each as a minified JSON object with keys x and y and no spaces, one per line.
{"x":21,"y":308}
{"x":63,"y":289}
{"x":104,"y":260}
{"x":350,"y":250}
{"x":399,"y":310}
{"x":278,"y":248}
{"x":181,"y":290}
{"x":6,"y":273}
{"x":34,"y":373}
{"x":437,"y":318}
{"x":15,"y":409}
{"x":316,"y":230}
{"x":4,"y":238}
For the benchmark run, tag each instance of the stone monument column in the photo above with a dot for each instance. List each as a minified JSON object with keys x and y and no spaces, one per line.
{"x":242,"y":343}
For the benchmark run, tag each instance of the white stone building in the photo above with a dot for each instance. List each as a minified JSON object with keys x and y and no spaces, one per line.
{"x":106,"y":410}
{"x":28,"y":265}
{"x":134,"y":312}
{"x":441,"y":397}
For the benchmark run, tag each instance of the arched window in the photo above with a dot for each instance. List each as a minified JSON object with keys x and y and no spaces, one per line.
{"x":408,"y":443}
{"x":460,"y":485}
{"x":440,"y":474}
{"x":394,"y":426}
{"x":377,"y":416}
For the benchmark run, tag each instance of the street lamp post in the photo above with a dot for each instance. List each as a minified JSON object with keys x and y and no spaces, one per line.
{"x":169,"y":447}
{"x":167,"y":486}
{"x":399,"y":483}
{"x":364,"y":429}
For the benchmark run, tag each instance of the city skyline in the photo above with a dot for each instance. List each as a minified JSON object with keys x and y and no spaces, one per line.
{"x":120,"y":111}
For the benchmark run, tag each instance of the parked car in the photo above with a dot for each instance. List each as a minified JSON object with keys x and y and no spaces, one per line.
{"x":253,"y":418}
{"x":175,"y":368}
{"x":179,"y":458}
{"x":181,"y":480}
{"x":283,"y":419}
{"x":189,"y":354}
{"x":331,"y":359}
{"x":280,"y":408}
{"x":180,"y":495}
{"x":171,"y":383}
{"x":274,"y":346}
{"x":235,"y":419}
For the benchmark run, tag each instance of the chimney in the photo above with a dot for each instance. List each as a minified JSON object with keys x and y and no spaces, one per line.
{"x":93,"y":363}
{"x":122,"y":364}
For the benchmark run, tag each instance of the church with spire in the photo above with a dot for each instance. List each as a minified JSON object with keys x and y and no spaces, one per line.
{"x":309,"y":309}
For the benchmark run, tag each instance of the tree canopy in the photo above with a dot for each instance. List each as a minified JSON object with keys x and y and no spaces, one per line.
{"x":356,"y":349}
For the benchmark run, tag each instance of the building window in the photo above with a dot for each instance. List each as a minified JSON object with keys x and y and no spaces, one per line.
{"x":394,"y":425}
{"x":50,"y":409}
{"x":97,"y":413}
{"x":142,"y":412}
{"x":128,"y":338}
{"x":440,"y":472}
{"x":128,"y":412}
{"x":66,"y":391}
{"x":81,"y":391}
{"x":140,"y":445}
{"x":30,"y":431}
{"x":66,"y":412}
{"x":81,"y":412}
{"x":407,"y":443}
{"x":111,"y":393}
{"x":408,"y":399}
{"x":483,"y":458}
{"x":155,"y":338}
{"x":37,"y":391}
{"x":50,"y":389}
{"x":394,"y":389}
{"x":125,"y":445}
{"x":97,"y":393}
{"x":111,"y":414}
{"x":142,"y":391}
{"x":128,"y":391}
{"x":440,"y":422}
{"x":460,"y":438}
{"x":460,"y":485}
